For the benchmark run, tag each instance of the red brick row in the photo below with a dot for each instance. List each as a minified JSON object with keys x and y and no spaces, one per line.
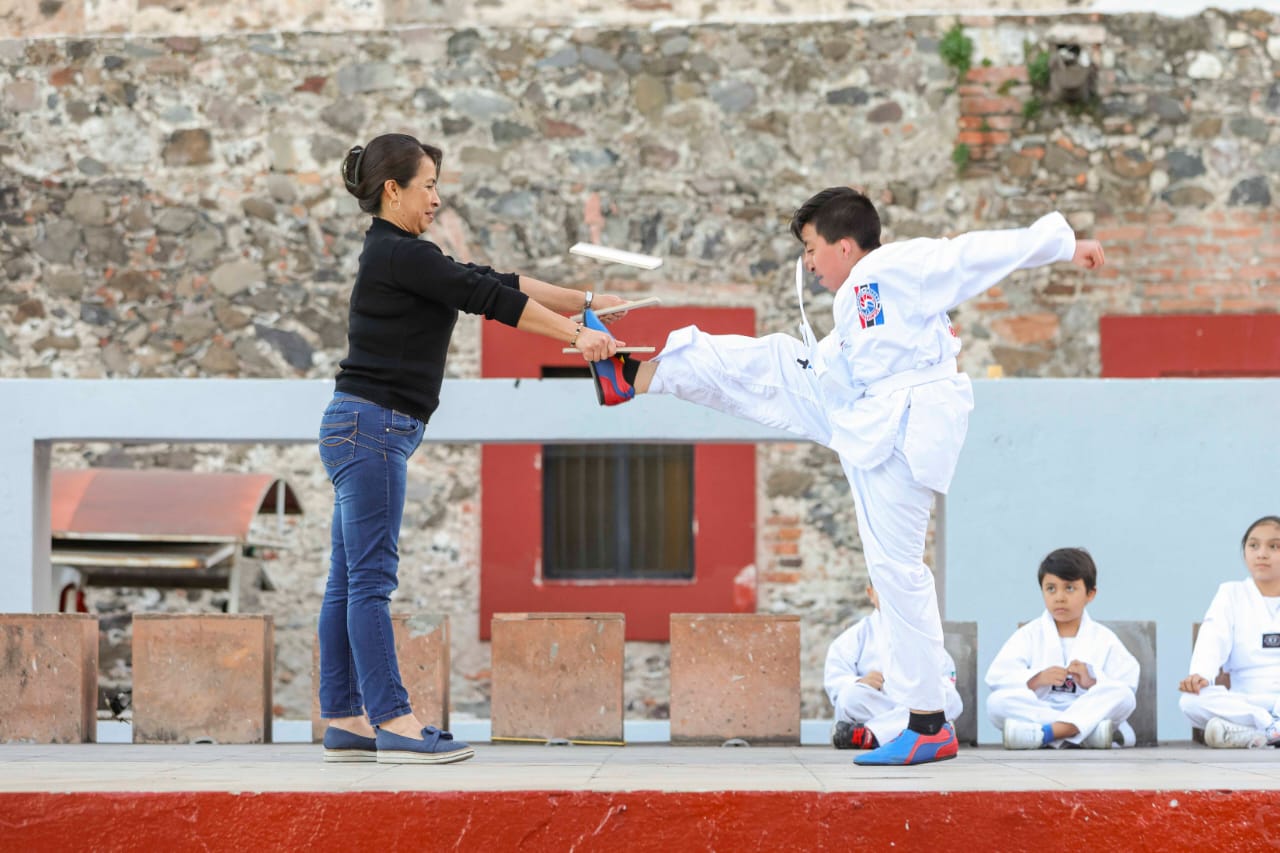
{"x":560,"y":676}
{"x":208,"y":677}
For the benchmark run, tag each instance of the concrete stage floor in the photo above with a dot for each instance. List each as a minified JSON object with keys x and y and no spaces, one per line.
{"x":649,"y":797}
{"x":647,"y":767}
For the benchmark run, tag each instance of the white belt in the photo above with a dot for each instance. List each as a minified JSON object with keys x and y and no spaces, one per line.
{"x":806,"y":332}
{"x":912,"y":378}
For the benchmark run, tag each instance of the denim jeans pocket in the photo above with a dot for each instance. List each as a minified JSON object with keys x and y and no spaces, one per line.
{"x":337,"y":438}
{"x":400,"y":423}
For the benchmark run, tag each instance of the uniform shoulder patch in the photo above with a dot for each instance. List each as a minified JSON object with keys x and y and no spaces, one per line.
{"x":870,"y":308}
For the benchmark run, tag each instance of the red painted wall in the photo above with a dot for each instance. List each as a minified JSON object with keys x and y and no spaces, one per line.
{"x":511,"y":500}
{"x":638,"y":821}
{"x":1190,"y":345}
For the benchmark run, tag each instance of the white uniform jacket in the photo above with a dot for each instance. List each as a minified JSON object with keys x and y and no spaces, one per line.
{"x":858,"y":650}
{"x":1240,"y":634}
{"x":893,"y":346}
{"x":1036,"y":646}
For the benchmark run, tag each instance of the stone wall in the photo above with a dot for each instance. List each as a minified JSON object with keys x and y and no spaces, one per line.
{"x":26,"y":18}
{"x":170,"y":206}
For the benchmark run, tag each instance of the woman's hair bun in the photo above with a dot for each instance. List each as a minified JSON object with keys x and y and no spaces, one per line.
{"x":351,"y":169}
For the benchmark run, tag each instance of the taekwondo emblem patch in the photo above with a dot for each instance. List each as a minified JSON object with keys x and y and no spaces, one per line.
{"x":870,"y":311}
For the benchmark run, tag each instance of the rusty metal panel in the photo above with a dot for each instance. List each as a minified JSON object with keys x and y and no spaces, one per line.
{"x":68,"y":490}
{"x":162,"y":505}
{"x":161,"y":555}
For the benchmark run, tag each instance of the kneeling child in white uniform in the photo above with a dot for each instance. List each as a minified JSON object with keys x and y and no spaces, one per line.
{"x":869,"y":710}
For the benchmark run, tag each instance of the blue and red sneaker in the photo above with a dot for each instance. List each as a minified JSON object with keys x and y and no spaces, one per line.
{"x":612,"y":387}
{"x":914,"y":748}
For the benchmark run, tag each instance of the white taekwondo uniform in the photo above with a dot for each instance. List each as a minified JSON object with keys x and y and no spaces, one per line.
{"x":860,"y":650}
{"x":1241,"y":635}
{"x":1034,"y":648}
{"x":883,"y":392}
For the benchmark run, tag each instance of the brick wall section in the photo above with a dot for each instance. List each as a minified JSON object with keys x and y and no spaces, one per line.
{"x":1215,"y":262}
{"x":783,"y":562}
{"x":991,"y":101}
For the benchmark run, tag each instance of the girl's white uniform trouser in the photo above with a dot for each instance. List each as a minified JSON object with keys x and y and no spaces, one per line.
{"x":761,"y":380}
{"x":1114,"y":702}
{"x":1243,"y":709}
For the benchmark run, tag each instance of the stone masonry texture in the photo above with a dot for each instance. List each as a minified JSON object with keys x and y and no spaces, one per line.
{"x":735,"y":677}
{"x":212,"y":17}
{"x":170,"y":206}
{"x":49,"y":678}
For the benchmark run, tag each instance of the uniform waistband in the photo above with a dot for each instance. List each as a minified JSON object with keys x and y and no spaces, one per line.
{"x":912,"y":378}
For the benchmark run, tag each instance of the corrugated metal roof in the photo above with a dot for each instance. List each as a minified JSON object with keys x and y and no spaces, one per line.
{"x":161,"y":505}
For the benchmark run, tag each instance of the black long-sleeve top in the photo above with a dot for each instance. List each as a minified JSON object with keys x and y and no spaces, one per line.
{"x":403,"y":308}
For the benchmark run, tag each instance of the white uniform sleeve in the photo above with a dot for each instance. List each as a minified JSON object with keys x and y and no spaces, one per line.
{"x":1012,"y":665}
{"x":841,"y":669}
{"x":1118,"y":665}
{"x":962,"y":267}
{"x":1213,"y":643}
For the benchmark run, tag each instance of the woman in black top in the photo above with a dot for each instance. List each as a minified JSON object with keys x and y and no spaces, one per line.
{"x":405,"y":302}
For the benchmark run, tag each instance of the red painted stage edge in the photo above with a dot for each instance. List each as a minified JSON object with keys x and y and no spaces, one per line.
{"x":972,"y":821}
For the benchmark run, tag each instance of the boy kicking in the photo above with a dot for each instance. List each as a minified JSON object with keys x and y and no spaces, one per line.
{"x":882,"y":390}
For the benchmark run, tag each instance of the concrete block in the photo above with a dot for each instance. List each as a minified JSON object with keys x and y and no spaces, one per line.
{"x":422,"y":651}
{"x":1139,"y":637}
{"x":961,"y":642}
{"x":202,"y":677}
{"x":557,"y":675}
{"x":735,"y":676}
{"x":48,"y":678}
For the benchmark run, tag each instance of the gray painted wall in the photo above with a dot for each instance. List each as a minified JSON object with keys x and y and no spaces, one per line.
{"x":1158,"y":479}
{"x":41,"y":411}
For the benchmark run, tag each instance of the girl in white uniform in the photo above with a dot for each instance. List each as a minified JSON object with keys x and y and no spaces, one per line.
{"x":1240,"y":636}
{"x":1063,"y":678}
{"x":868,"y":709}
{"x":881,"y":390}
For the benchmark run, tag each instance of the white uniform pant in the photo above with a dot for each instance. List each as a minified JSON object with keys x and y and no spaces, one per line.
{"x":761,"y":380}
{"x":1243,"y":709}
{"x":864,"y":705}
{"x":1114,"y":702}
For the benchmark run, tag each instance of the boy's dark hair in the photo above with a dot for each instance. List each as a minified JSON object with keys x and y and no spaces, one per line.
{"x":1266,"y":519}
{"x":839,"y":212}
{"x":1070,"y":564}
{"x":392,"y":156}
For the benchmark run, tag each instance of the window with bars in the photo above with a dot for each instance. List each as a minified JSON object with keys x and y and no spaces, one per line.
{"x":616,"y":511}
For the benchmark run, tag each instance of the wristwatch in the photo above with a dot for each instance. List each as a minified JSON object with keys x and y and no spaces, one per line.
{"x":586,"y":303}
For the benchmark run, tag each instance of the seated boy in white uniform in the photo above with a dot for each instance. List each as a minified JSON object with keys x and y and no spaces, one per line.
{"x":1063,"y":678}
{"x":869,"y":712}
{"x":1241,"y":636}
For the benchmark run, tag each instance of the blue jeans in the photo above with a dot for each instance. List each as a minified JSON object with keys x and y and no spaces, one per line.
{"x":365,"y":449}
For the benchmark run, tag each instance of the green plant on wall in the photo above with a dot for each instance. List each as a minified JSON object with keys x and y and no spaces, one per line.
{"x":960,"y":156}
{"x":956,"y":50}
{"x":1037,"y":67}
{"x":1038,"y":76}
